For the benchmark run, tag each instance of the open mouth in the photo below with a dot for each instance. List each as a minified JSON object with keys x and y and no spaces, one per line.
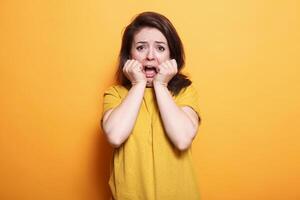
{"x":150,"y":71}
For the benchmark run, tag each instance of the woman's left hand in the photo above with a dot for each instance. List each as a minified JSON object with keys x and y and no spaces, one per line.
{"x":166,"y":71}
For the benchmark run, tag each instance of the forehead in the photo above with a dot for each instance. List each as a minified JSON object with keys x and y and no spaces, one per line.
{"x":149,"y":34}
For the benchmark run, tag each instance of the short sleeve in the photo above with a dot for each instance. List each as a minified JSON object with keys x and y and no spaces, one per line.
{"x":111,"y":98}
{"x":189,"y":97}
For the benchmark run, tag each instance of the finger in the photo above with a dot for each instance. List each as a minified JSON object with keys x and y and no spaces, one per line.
{"x":130,"y":64}
{"x":174,"y":69}
{"x":137,"y":64}
{"x":126,"y":65}
{"x":169,"y":67}
{"x":174,"y":63}
{"x":163,"y":68}
{"x":176,"y":66}
{"x":127,"y":68}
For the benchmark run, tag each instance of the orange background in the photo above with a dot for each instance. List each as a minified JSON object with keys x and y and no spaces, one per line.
{"x":57,"y":58}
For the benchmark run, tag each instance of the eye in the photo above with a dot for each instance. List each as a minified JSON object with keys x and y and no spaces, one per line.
{"x":161,"y":48}
{"x":140,"y":48}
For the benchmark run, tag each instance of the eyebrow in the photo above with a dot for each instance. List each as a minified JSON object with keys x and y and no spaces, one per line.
{"x":144,"y":42}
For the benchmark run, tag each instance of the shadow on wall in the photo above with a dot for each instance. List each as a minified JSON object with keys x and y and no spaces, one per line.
{"x":102,"y":154}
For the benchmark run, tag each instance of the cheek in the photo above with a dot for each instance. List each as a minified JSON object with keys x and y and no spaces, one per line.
{"x":137,"y":55}
{"x":163,"y":57}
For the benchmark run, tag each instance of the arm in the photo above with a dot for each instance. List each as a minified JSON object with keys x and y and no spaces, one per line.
{"x":181,"y":123}
{"x":119,"y":121}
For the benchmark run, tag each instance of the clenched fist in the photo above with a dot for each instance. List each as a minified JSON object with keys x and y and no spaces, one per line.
{"x":133,"y":70}
{"x":166,"y":71}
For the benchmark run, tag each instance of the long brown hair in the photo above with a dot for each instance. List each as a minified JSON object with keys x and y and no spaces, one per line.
{"x":163,"y":24}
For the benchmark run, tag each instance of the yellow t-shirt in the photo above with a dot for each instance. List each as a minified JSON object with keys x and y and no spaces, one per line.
{"x":148,"y":166}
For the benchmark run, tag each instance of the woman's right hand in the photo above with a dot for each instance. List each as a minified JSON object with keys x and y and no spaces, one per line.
{"x":133,"y":70}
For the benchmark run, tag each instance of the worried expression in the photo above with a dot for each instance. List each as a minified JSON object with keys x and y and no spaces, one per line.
{"x":150,"y":48}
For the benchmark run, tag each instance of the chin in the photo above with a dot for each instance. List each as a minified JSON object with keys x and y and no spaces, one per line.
{"x":149,"y":82}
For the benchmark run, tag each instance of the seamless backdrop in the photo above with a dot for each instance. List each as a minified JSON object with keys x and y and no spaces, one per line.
{"x":57,"y":58}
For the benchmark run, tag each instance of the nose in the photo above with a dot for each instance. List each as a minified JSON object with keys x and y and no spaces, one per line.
{"x":150,"y":54}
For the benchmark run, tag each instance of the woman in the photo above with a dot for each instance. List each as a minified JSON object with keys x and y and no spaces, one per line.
{"x":151,"y":117}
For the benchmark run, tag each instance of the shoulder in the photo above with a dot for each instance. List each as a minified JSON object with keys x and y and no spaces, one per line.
{"x":189,"y":90}
{"x":117,"y":90}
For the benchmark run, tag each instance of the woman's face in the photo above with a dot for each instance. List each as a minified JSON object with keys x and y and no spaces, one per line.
{"x":150,"y":48}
